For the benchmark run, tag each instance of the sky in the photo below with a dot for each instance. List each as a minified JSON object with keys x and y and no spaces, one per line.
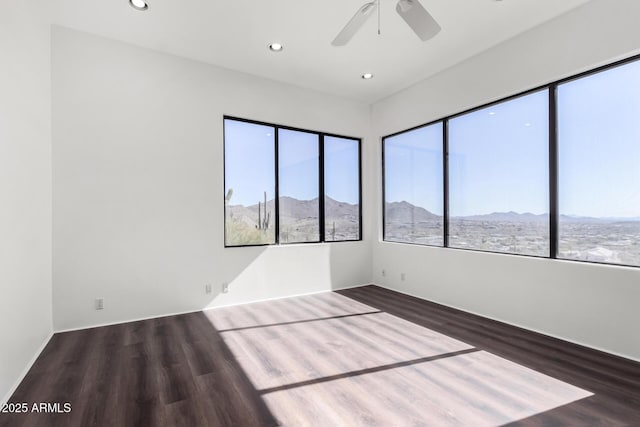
{"x":250,"y":164}
{"x":498,"y":156}
{"x":497,"y":161}
{"x":298,"y":164}
{"x":413,"y":168}
{"x":599,"y":144}
{"x":341,"y":173}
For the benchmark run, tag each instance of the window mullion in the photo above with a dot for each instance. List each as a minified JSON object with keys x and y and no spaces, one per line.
{"x":276,"y":201}
{"x":553,"y":172}
{"x":321,"y":196}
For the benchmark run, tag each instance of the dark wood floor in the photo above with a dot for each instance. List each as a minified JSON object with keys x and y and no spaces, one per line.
{"x":359,"y":357}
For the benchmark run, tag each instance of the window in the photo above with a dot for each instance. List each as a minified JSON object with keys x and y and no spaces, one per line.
{"x":341,"y":189}
{"x":599,"y":167}
{"x":299,"y":186}
{"x":306,"y":203}
{"x":554,"y":172}
{"x":249,"y":160}
{"x":498,"y":177}
{"x":413,"y":186}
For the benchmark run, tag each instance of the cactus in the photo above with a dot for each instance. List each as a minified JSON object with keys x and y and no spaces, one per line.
{"x":266,"y":220}
{"x":227,"y":198}
{"x":264,"y":217}
{"x":267,"y":215}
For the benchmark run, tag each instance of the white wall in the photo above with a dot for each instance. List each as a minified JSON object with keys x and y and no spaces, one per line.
{"x":589,"y":304}
{"x":25,"y":188}
{"x":138,"y":185}
{"x":138,"y":214}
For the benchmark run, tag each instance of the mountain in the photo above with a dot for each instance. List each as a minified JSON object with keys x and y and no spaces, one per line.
{"x":249,"y":214}
{"x":405,"y":212}
{"x":529,"y":217}
{"x":294,"y":208}
{"x":398,"y":212}
{"x":336,"y":209}
{"x":583,"y":219}
{"x":506,"y":217}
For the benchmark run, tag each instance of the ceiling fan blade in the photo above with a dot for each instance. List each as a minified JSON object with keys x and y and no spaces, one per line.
{"x":417,"y":17}
{"x":354,"y":24}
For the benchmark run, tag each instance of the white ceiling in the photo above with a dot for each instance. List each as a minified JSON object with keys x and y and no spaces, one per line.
{"x":234,"y":34}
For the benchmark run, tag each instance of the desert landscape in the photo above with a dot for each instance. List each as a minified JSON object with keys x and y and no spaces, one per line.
{"x":610,"y":240}
{"x":245,"y":225}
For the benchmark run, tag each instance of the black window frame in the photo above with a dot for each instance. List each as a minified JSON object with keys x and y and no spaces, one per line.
{"x":552,"y":89}
{"x":502,"y":101}
{"x":321,"y":192}
{"x":322,"y":186}
{"x":445,"y":184}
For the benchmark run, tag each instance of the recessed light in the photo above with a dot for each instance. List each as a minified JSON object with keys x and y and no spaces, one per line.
{"x":367,"y":76}
{"x":492,"y":113}
{"x":139,"y":4}
{"x":527,"y":124}
{"x":275,"y":47}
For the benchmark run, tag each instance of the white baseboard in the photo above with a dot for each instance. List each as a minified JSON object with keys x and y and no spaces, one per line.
{"x":25,"y":371}
{"x":120,"y":322}
{"x":158,"y":316}
{"x":284,"y":297}
{"x":624,"y":356}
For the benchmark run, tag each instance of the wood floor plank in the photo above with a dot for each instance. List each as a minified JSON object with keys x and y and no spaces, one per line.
{"x":365,"y":356}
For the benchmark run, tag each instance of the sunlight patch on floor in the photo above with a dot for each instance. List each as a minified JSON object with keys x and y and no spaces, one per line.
{"x":329,"y":360}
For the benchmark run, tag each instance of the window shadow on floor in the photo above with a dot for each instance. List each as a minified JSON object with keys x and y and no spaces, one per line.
{"x":613,"y":381}
{"x":345,"y":354}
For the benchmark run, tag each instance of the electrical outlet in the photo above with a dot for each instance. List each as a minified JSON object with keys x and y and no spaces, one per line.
{"x":207,"y":289}
{"x":225,"y":288}
{"x":402,"y":276}
{"x":99,"y":304}
{"x":384,"y":273}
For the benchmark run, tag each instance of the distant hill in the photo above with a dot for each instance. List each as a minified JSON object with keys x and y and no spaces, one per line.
{"x":398,"y":212}
{"x":294,"y":208}
{"x":575,"y":218}
{"x":507,"y":217}
{"x":336,"y":209}
{"x":529,"y":217}
{"x":581,"y":219}
{"x":405,"y":212}
{"x":249,"y":214}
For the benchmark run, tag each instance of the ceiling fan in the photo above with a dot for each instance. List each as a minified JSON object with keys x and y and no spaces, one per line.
{"x":413,"y":13}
